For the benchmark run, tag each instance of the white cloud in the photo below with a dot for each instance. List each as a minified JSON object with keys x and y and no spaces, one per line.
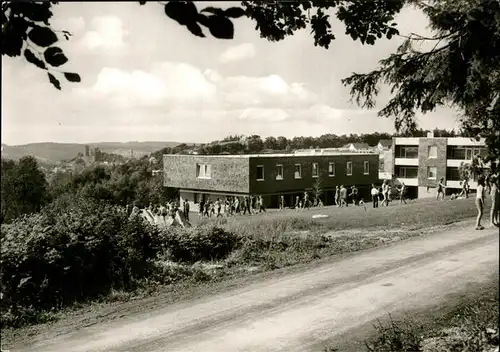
{"x":184,"y":85}
{"x":238,"y":53}
{"x":107,"y":33}
{"x":75,"y":25}
{"x":264,"y":115}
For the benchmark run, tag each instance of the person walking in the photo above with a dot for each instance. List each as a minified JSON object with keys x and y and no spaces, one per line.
{"x":480,"y":202}
{"x":282,"y":203}
{"x":465,"y":189}
{"x":186,"y":210}
{"x":261,"y":204}
{"x":343,"y":196}
{"x":245,"y":205}
{"x":306,"y":201}
{"x":208,"y":206}
{"x":440,"y":189}
{"x":218,"y":207}
{"x":237,"y":205}
{"x":374,"y":193}
{"x":494,"y":194}
{"x":354,"y":195}
{"x":385,"y":193}
{"x":201,"y":208}
{"x":297,"y":203}
{"x":337,"y":196}
{"x":402,"y":193}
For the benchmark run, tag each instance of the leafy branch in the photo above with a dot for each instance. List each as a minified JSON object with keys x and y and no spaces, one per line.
{"x":463,"y":72}
{"x":25,"y":29}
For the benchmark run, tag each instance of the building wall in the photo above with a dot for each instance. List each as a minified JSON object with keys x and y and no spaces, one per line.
{"x":424,"y":161}
{"x":388,"y":159}
{"x":228,"y":174}
{"x":289,"y":184}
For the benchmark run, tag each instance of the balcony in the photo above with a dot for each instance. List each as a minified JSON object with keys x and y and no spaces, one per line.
{"x":408,"y":181}
{"x":456,"y":184}
{"x":406,"y":161}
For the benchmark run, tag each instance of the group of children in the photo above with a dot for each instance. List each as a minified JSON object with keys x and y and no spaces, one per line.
{"x":231,"y":206}
{"x":170,"y":209}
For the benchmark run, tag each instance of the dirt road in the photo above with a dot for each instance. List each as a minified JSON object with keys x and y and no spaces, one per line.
{"x":300,"y":309}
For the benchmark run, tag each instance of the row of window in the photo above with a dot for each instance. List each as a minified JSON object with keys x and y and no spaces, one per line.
{"x":411,"y":152}
{"x":314,"y":170}
{"x":464,"y":153}
{"x":453,"y":152}
{"x":205,"y":170}
{"x":412,"y":172}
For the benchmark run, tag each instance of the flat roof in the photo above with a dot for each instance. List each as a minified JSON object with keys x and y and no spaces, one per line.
{"x":248,"y":156}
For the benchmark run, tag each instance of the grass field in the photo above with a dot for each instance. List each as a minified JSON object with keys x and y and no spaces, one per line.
{"x":417,"y":213}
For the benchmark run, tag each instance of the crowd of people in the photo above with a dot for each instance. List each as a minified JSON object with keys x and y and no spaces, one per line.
{"x":381,"y":195}
{"x":231,"y":206}
{"x":344,"y":195}
{"x":170,"y":209}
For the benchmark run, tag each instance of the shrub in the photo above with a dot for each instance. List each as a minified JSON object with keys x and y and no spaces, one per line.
{"x":72,"y":251}
{"x":205,"y":242}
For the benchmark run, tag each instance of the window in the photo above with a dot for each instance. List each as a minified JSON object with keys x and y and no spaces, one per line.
{"x":407,"y":171}
{"x":298,"y":171}
{"x":203,"y":171}
{"x":469,"y":152}
{"x":366,"y":168}
{"x":406,"y":151}
{"x":331,"y":169}
{"x":432,"y":151}
{"x":349,"y":168}
{"x":260,"y":173}
{"x":464,"y":153}
{"x":315,"y":170}
{"x":431,"y":172}
{"x":279,"y":172}
{"x":453,"y":174}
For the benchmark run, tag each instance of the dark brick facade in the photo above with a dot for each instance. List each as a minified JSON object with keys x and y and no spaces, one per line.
{"x":424,"y":161}
{"x":290,"y":184}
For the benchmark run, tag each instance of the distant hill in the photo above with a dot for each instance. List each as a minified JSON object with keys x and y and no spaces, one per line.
{"x":52,"y":153}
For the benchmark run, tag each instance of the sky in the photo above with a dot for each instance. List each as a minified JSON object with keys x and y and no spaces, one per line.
{"x":146,"y":78}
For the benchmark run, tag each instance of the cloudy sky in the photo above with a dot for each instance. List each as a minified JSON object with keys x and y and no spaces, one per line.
{"x":146,"y":78}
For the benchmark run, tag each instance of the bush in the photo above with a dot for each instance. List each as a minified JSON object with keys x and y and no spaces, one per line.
{"x":71,"y":251}
{"x":198,"y":243}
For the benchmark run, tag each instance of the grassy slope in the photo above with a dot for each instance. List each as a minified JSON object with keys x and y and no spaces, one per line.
{"x":289,"y":238}
{"x":416,"y":214}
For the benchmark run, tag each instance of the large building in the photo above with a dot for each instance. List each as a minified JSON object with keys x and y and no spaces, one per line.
{"x":217,"y":176}
{"x":421,"y":162}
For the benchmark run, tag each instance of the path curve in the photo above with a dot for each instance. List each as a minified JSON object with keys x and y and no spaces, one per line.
{"x":296,"y":311}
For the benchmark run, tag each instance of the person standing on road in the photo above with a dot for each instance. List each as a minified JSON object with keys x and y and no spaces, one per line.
{"x":374,"y":193}
{"x":494,"y":193}
{"x":480,"y":202}
{"x":282,"y":202}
